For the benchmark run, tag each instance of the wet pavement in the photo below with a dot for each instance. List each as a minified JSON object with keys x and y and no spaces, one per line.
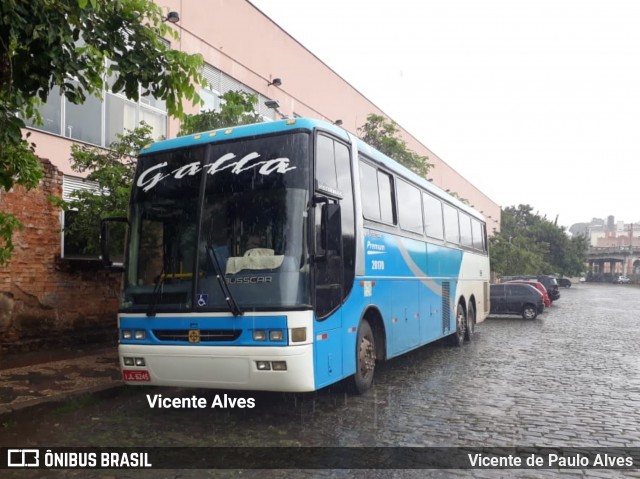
{"x":568,"y":379}
{"x":31,"y":379}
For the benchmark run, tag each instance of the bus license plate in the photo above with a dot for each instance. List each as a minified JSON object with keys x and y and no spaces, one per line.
{"x":135,"y":376}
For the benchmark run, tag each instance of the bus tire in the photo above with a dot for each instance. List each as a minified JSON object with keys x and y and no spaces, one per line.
{"x":457,"y":338}
{"x":362,"y":380}
{"x":471,"y":323}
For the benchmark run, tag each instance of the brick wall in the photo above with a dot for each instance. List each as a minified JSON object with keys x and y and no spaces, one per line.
{"x":46,"y":301}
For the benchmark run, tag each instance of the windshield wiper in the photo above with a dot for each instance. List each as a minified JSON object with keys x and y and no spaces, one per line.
{"x":231,"y":302}
{"x":151,"y":311}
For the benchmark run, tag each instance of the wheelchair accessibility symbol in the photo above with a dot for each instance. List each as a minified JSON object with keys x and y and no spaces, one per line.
{"x":203,"y":300}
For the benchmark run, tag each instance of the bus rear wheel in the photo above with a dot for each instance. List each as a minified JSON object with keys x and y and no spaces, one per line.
{"x":457,"y":338}
{"x":362,"y":380}
{"x":471,"y":323}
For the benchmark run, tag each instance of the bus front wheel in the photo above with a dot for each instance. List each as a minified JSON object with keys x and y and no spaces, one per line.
{"x":362,"y":380}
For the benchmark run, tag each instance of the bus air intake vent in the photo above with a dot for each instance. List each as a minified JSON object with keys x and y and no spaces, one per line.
{"x":446,"y":310}
{"x":206,"y":335}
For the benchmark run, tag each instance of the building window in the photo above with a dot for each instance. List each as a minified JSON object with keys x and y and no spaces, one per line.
{"x":211,"y":99}
{"x":51,"y":112}
{"x":98,"y":121}
{"x":210,"y":93}
{"x":219,"y":83}
{"x":84,"y":122}
{"x":74,"y":246}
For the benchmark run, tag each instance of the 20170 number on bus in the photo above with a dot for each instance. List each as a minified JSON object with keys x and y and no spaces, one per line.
{"x":287,"y":256}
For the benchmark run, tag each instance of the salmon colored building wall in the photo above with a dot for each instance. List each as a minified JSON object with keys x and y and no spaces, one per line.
{"x":40,"y":296}
{"x":238,"y":39}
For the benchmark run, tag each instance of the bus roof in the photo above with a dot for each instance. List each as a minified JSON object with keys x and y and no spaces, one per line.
{"x":256,"y":129}
{"x":243,"y":131}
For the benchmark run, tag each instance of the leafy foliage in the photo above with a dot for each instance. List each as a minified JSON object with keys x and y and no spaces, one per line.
{"x":113,"y":170}
{"x":77,"y":45}
{"x":383,"y":135}
{"x":8,"y":224}
{"x":237,"y":108}
{"x":530,"y":244}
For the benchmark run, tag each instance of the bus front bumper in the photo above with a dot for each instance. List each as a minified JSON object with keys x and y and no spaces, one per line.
{"x":228,"y":367}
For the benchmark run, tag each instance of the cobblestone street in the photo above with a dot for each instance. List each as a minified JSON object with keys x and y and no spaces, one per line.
{"x":569,"y":378}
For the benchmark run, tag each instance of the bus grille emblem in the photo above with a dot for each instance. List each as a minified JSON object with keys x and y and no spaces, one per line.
{"x":194,"y":335}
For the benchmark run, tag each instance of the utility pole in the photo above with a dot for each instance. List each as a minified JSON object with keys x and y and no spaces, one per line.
{"x":630,"y":255}
{"x":630,"y":266}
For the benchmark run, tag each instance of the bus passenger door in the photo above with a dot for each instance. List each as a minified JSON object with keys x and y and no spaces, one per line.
{"x":327,"y":259}
{"x":333,"y":249}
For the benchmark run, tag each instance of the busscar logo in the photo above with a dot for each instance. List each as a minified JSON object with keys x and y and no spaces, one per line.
{"x":23,"y":458}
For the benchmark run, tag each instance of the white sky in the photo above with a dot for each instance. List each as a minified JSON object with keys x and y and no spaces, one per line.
{"x":534,"y":101}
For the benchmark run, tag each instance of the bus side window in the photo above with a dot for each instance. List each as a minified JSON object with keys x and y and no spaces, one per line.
{"x":432,"y":216}
{"x":387,"y":203}
{"x":369,"y":192}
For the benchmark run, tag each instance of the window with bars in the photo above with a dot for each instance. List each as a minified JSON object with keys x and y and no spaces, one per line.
{"x":74,"y":246}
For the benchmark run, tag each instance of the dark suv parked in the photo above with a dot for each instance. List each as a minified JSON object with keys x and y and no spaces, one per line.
{"x":564,"y":282}
{"x":516,"y":298}
{"x":549,"y":282}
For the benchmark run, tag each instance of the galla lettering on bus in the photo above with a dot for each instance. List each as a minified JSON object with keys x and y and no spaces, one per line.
{"x":266,"y":167}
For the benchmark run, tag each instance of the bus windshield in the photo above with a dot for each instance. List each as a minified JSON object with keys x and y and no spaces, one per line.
{"x":247,"y":228}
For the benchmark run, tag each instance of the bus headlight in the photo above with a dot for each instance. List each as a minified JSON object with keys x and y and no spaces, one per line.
{"x":140,"y":334}
{"x":276,"y":335}
{"x":127,"y":334}
{"x":298,"y":335}
{"x":259,"y":335}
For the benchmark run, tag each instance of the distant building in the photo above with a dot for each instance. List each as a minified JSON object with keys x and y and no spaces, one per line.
{"x":608,"y":233}
{"x":614,"y":248}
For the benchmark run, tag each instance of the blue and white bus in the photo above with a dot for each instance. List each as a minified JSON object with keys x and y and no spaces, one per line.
{"x":287,"y":256}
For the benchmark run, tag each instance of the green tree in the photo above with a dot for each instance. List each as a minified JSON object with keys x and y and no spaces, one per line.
{"x":237,"y":108}
{"x":113,"y":170}
{"x":530,"y":244}
{"x":76,"y":45}
{"x":382,"y":134}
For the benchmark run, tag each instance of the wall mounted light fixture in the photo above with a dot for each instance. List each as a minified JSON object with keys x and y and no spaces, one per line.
{"x":275,"y":82}
{"x":274,"y":105}
{"x":172,"y":17}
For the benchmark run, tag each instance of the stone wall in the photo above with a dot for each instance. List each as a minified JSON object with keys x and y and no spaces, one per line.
{"x":46,"y":301}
